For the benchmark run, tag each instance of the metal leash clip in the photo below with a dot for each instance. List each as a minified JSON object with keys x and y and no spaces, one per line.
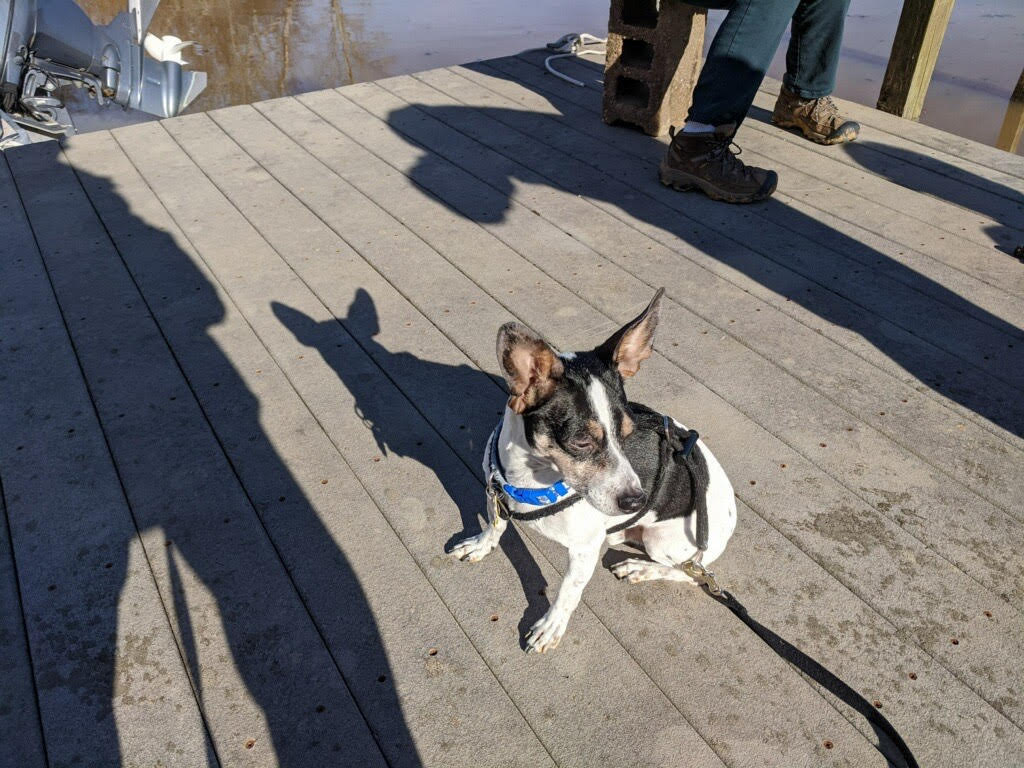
{"x":498,"y":506}
{"x":696,"y":571}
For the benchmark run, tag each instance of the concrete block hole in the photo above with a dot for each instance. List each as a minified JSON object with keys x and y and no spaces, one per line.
{"x":632,"y":92}
{"x":640,"y":13}
{"x":637,"y":54}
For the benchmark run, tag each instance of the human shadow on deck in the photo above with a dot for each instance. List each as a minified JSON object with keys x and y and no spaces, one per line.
{"x":461,"y":403}
{"x":219,"y":512}
{"x":927,"y":174}
{"x":941,"y":338}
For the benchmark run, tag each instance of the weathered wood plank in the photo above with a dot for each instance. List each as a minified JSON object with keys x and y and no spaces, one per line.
{"x":490,"y":264}
{"x":111,"y":686}
{"x":22,"y":744}
{"x":915,"y":49}
{"x":258,"y":666}
{"x":407,"y":469}
{"x":353,"y":571}
{"x":532,"y":236}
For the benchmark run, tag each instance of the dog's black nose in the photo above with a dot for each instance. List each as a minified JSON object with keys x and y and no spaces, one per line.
{"x":631,"y":501}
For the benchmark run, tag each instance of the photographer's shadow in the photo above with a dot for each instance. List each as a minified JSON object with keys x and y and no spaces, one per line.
{"x":460,"y":402}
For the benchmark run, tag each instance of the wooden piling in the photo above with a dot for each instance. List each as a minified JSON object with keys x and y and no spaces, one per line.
{"x":914,"y":52}
{"x":1013,"y":123}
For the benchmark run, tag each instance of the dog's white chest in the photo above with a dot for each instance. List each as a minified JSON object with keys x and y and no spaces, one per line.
{"x":575,"y":525}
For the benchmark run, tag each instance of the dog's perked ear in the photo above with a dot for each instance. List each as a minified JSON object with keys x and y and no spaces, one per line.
{"x":633,"y":343}
{"x":530,"y":365}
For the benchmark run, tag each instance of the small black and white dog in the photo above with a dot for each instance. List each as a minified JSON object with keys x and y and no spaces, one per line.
{"x":574,"y":460}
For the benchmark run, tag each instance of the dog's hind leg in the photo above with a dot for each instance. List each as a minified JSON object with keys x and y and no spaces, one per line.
{"x":477,"y":547}
{"x":635,"y":570}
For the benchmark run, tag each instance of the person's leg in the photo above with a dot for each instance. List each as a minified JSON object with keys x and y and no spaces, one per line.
{"x":811,"y":63}
{"x":738,"y":59}
{"x":813,"y":54}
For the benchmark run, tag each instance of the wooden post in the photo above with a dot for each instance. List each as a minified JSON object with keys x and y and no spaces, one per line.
{"x":1013,"y":123}
{"x":912,"y":60}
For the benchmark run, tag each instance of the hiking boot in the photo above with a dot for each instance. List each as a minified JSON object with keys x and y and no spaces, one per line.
{"x":705,"y":161}
{"x":817,"y":119}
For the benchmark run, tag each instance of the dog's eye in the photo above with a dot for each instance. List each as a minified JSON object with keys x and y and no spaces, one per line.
{"x":582,"y":444}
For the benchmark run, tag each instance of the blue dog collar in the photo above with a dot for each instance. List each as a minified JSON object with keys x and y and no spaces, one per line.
{"x":537,"y":497}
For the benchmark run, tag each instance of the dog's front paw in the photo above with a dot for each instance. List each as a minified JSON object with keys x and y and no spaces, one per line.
{"x":634,"y":571}
{"x":547,"y":633}
{"x":475,"y":547}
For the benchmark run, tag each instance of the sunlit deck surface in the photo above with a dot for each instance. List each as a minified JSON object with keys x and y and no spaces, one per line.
{"x":247,"y":371}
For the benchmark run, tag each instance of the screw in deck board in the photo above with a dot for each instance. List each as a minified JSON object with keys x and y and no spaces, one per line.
{"x":652,"y":63}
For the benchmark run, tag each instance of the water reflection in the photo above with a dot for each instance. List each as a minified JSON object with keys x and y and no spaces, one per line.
{"x":261,"y":49}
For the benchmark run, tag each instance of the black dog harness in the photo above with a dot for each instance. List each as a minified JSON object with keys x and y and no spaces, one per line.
{"x":675,"y":444}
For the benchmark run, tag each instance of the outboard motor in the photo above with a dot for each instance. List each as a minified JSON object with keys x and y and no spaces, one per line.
{"x":52,"y":43}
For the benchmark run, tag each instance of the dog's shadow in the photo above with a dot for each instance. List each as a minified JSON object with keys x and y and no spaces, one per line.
{"x":459,"y":403}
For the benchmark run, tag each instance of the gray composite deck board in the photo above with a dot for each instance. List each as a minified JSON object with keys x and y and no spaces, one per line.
{"x":280,"y":375}
{"x":259,"y":667}
{"x":375,"y":609}
{"x":110,"y":683}
{"x":411,"y":475}
{"x":303,"y":175}
{"x":438,"y":227}
{"x":349,"y":121}
{"x":22,"y":745}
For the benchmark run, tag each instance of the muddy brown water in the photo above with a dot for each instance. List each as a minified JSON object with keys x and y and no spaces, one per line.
{"x":261,"y":49}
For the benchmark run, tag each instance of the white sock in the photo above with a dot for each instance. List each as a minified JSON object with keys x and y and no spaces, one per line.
{"x":692,"y":126}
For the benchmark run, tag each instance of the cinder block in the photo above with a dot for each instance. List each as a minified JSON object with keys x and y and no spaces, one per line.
{"x":653,"y":60}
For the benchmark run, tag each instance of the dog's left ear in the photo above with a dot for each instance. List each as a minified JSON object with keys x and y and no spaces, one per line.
{"x":633,"y":343}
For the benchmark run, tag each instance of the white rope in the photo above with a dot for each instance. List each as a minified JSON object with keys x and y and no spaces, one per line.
{"x":568,"y":46}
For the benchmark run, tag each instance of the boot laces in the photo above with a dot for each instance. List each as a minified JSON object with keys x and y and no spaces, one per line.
{"x":727,"y":151}
{"x":824,"y":108}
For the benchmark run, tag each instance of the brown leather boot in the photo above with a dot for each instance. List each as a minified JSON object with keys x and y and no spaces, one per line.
{"x":817,"y":119}
{"x":705,"y":161}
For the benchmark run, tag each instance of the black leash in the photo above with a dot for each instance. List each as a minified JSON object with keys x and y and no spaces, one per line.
{"x":810,"y":667}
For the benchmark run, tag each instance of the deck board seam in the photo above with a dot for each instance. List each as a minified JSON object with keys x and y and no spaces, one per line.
{"x":313,"y":414}
{"x":24,"y":621}
{"x":554,"y":94}
{"x":774,"y":364}
{"x":110,"y":453}
{"x":898,"y":632}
